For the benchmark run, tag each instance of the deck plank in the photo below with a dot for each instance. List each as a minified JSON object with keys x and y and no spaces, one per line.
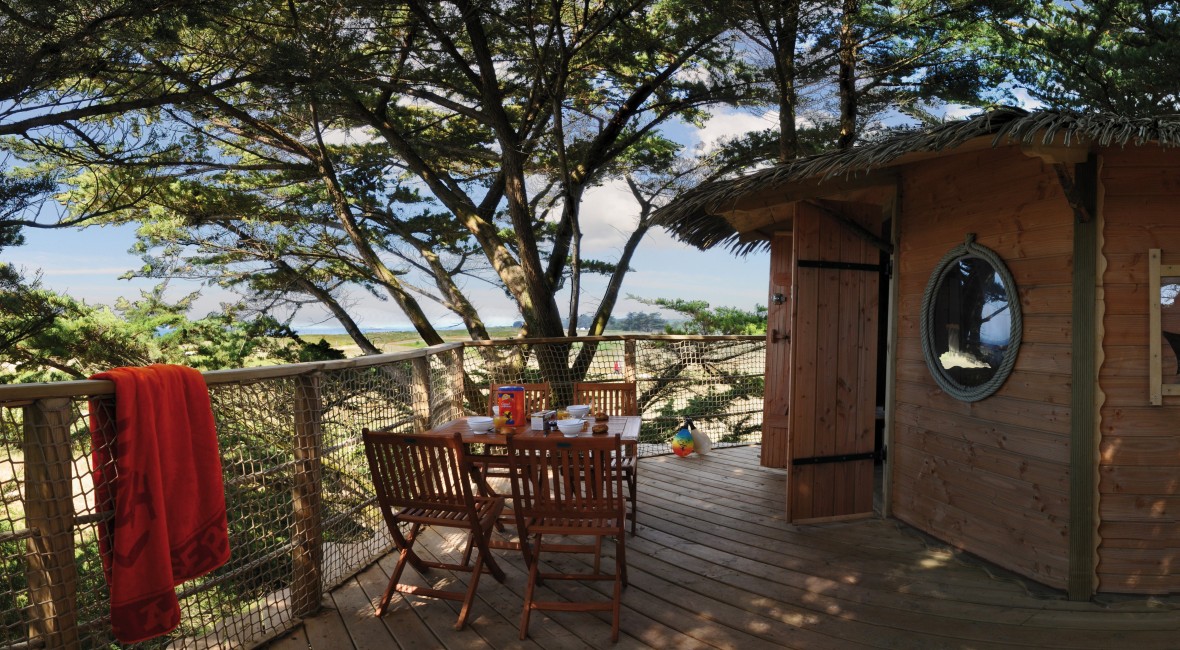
{"x":715,"y":565}
{"x":326,"y":629}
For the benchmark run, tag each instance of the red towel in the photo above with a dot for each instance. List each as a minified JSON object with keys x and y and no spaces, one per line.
{"x":167,"y":491}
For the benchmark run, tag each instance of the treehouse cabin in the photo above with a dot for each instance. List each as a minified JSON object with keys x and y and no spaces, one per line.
{"x":983,"y":318}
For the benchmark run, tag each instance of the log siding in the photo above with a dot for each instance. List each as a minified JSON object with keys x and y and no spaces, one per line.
{"x":1139,"y":452}
{"x":990,"y":477}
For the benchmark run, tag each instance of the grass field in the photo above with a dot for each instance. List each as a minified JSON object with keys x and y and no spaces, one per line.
{"x":401,"y":341}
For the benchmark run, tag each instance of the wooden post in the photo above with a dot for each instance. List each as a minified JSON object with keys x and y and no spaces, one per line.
{"x":307,"y":494}
{"x":629,"y":372}
{"x":1155,"y":363}
{"x":455,"y":373}
{"x":1083,"y":442}
{"x":49,"y":513}
{"x":420,"y":394}
{"x":894,"y":209}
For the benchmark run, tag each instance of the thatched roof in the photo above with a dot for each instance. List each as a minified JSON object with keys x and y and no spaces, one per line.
{"x":693,"y":217}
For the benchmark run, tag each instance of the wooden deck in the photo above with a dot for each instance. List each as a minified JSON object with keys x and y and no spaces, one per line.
{"x":714,"y":566}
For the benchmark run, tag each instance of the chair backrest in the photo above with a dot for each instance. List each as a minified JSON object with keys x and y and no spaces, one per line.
{"x":566,"y":478}
{"x":536,"y":396}
{"x":615,"y":398}
{"x":416,"y":471}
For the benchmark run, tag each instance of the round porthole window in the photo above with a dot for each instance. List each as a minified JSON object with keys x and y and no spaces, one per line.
{"x":970,"y":322}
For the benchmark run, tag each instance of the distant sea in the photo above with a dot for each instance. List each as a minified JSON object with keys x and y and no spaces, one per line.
{"x":319,"y":330}
{"x":304,"y":330}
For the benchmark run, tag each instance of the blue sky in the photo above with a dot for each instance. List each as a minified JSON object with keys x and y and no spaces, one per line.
{"x":87,"y":263}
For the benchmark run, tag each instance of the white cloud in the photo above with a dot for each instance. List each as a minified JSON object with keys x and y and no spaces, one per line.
{"x":609,"y":214}
{"x":728,"y":123}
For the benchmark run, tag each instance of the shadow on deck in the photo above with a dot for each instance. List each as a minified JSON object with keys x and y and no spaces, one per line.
{"x":715,"y":566}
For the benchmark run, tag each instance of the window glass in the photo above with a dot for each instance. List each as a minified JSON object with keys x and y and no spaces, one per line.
{"x":1170,"y":326}
{"x":971,"y":321}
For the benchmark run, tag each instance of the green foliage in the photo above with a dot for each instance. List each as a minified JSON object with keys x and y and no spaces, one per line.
{"x":836,"y":70}
{"x":635,"y":322}
{"x":76,"y":340}
{"x":14,"y":596}
{"x":444,"y":174}
{"x":702,"y":319}
{"x":1117,"y":56}
{"x":712,"y":404}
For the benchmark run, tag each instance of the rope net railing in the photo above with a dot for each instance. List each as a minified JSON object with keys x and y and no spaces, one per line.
{"x":717,"y":381}
{"x":302,"y":517}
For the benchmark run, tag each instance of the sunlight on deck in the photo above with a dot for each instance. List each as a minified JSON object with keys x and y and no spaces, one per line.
{"x":715,"y":566}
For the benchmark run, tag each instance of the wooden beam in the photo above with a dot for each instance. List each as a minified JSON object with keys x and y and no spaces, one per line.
{"x":855,"y":227}
{"x":1082,"y":581}
{"x":1056,"y":152}
{"x":1079,"y":188}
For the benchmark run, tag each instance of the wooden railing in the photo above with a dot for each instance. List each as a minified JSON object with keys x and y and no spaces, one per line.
{"x":301,"y":520}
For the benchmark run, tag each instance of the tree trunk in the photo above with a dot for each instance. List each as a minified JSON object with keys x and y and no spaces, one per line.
{"x":334,"y":306}
{"x":847,"y":74}
{"x":385,"y":276}
{"x":786,"y":72}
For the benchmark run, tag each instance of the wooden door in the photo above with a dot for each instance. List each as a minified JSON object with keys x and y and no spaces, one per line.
{"x":776,"y":405}
{"x":833,"y":364}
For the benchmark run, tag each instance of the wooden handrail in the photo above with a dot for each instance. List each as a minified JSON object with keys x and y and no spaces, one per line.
{"x":618,"y":337}
{"x":23,"y":393}
{"x":89,"y":388}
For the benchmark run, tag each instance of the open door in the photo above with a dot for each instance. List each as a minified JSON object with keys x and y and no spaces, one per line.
{"x":833,"y":356}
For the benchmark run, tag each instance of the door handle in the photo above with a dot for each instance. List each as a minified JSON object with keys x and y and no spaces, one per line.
{"x":775,"y":337}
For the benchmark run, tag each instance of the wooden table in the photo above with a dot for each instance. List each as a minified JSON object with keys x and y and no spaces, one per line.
{"x":624,"y":426}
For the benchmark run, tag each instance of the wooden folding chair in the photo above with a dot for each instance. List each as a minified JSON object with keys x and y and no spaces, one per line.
{"x":616,"y":398}
{"x":566,"y":487}
{"x":537,"y":397}
{"x":425,"y":479}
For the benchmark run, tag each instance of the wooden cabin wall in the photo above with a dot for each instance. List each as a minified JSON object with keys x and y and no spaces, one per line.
{"x":1139,"y":465}
{"x":990,"y":477}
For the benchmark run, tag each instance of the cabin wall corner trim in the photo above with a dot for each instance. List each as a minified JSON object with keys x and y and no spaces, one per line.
{"x":1083,"y":458}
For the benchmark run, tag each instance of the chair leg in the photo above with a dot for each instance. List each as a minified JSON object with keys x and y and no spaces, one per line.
{"x":534,"y":561}
{"x":485,"y":553}
{"x":467,"y":548}
{"x":407,"y":543}
{"x":405,"y":555}
{"x":392,"y":586}
{"x":470,"y":596}
{"x":632,"y":490}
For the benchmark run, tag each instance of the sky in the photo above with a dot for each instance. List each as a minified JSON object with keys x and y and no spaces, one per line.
{"x":87,"y":264}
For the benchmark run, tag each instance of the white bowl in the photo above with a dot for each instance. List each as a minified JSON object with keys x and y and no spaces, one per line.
{"x":570,"y":427}
{"x":480,"y":423}
{"x":578,"y":411}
